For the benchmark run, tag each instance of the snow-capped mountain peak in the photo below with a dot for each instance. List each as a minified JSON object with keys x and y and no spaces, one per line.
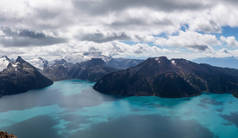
{"x":39,"y":62}
{"x":4,"y":62}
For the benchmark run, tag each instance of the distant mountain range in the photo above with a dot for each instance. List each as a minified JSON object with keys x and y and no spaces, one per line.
{"x":19,"y":76}
{"x":121,"y":77}
{"x":122,"y":63}
{"x":229,"y":62}
{"x":169,"y":78}
{"x":91,"y":70}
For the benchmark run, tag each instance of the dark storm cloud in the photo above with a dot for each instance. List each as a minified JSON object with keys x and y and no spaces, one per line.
{"x":228,"y":1}
{"x":92,"y":52}
{"x":105,"y":6}
{"x":46,"y":13}
{"x":53,"y":18}
{"x":9,"y":20}
{"x":226,"y":51}
{"x":135,"y":22}
{"x":102,"y":38}
{"x":199,"y":47}
{"x":23,"y":38}
{"x":212,"y":27}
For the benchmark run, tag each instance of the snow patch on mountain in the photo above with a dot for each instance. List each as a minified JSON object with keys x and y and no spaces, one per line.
{"x":157,"y":59}
{"x":39,"y":62}
{"x":173,"y":62}
{"x":4,"y":61}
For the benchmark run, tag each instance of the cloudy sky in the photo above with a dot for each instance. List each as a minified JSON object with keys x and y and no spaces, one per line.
{"x":119,"y":28}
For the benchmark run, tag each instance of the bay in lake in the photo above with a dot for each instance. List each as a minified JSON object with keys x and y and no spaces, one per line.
{"x":73,"y":109}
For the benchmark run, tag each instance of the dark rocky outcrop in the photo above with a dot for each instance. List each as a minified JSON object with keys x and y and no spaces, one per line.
{"x":6,"y":135}
{"x":169,"y":78}
{"x":20,"y":76}
{"x":235,"y":94}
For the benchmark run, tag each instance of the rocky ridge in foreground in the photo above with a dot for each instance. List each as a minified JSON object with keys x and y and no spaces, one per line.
{"x":6,"y":135}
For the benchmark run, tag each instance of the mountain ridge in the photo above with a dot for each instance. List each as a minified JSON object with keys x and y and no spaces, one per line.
{"x":173,"y":78}
{"x":91,"y":70}
{"x":20,"y":76}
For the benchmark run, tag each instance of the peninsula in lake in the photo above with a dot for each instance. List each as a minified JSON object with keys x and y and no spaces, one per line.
{"x":18,"y":76}
{"x":169,"y":78}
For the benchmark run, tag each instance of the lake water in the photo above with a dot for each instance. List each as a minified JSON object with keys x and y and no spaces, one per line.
{"x":73,"y":109}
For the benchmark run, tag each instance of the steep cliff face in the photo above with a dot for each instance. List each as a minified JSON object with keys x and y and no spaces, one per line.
{"x":20,"y":76}
{"x":169,"y":78}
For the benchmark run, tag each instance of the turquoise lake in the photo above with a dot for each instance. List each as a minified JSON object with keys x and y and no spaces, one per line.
{"x":73,"y":109}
